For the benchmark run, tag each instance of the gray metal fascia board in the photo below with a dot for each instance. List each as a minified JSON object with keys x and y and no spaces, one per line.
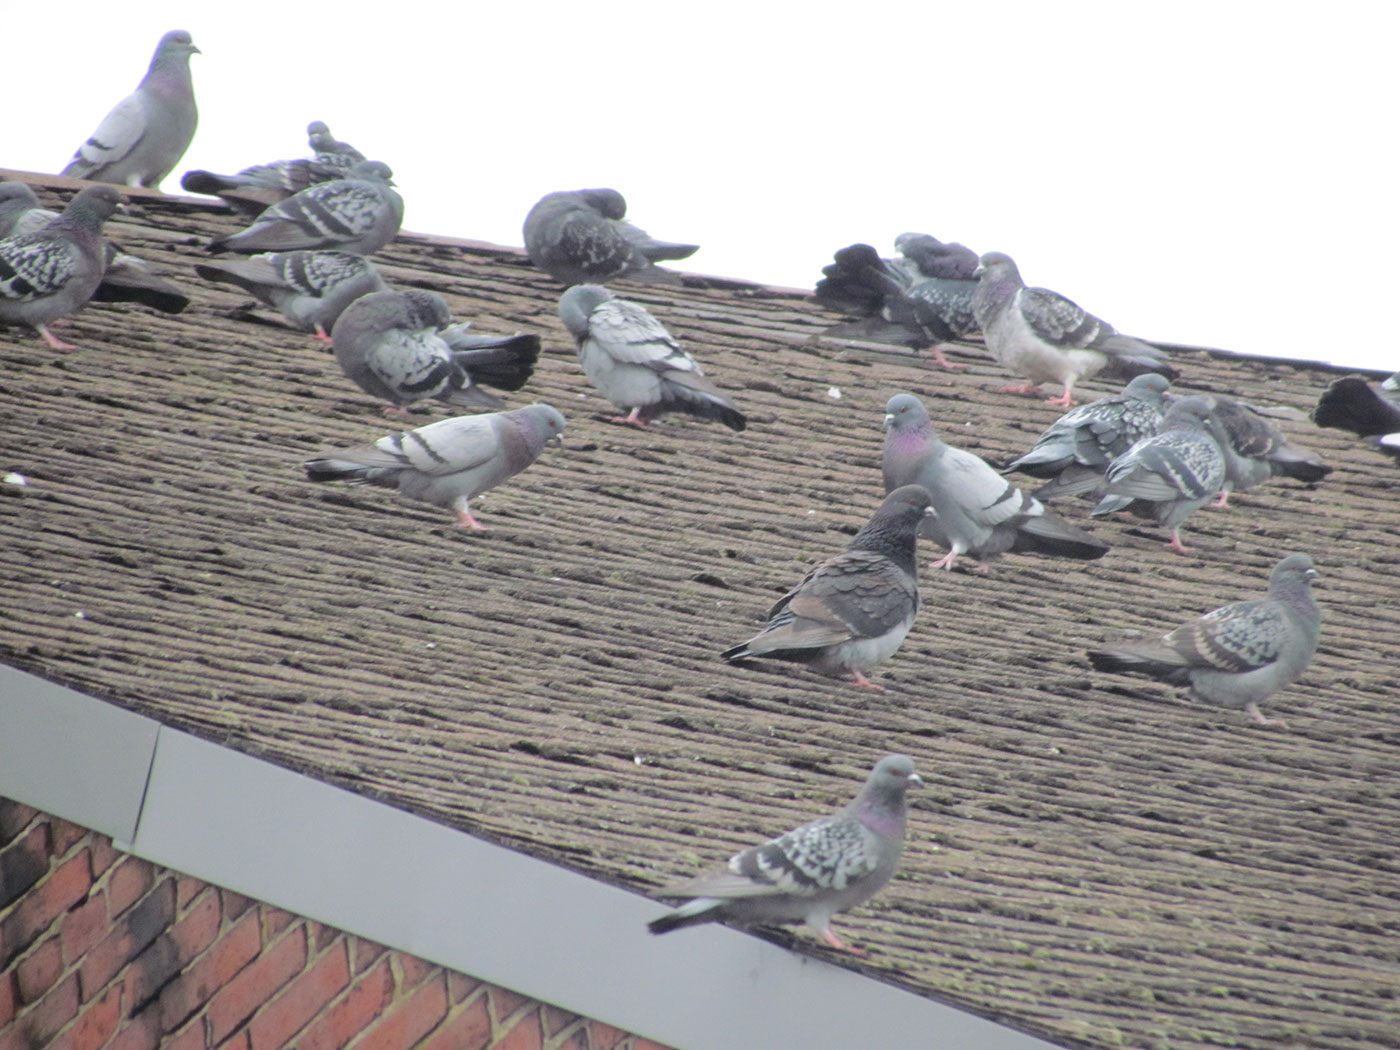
{"x":73,"y":756}
{"x":514,"y":920}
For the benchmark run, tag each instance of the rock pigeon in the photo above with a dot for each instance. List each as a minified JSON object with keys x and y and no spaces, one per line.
{"x":402,"y":347}
{"x":827,"y":866}
{"x":1045,"y":337}
{"x":902,"y":301}
{"x":54,"y":271}
{"x":1173,"y":473}
{"x":579,"y":236}
{"x":634,"y":362}
{"x":449,"y":462}
{"x":361,"y":214}
{"x":1239,"y":655}
{"x":1367,"y":410}
{"x":1256,"y":450}
{"x":262,"y":185}
{"x":1075,"y":450}
{"x":310,"y":289}
{"x":146,"y":134}
{"x":126,"y":278}
{"x":976,"y":510}
{"x":851,"y":612}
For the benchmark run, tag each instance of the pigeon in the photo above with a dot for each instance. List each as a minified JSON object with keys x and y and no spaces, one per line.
{"x":360,"y":213}
{"x":1171,"y":474}
{"x":827,"y":866}
{"x":921,"y":301}
{"x":1351,"y":403}
{"x":402,"y":347}
{"x":1075,"y":450}
{"x":125,"y":278}
{"x":450,"y":462}
{"x":976,"y":510}
{"x":580,"y":236}
{"x":310,"y":289}
{"x":262,"y":185}
{"x":1256,"y":450}
{"x":146,"y":134}
{"x":1045,"y":337}
{"x":54,"y":271}
{"x":1239,"y":655}
{"x":851,"y":612}
{"x":634,"y":362}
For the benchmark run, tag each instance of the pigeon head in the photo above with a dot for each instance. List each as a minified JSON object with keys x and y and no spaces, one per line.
{"x":176,"y":46}
{"x":1292,"y":575}
{"x":997,"y":264}
{"x":546,"y":422}
{"x":577,"y":304}
{"x":93,"y":206}
{"x":905,"y":412}
{"x":16,"y":198}
{"x":1148,"y":387}
{"x":895,"y":525}
{"x":425,"y":309}
{"x":373,"y":171}
{"x":880,"y":805}
{"x":607,"y":202}
{"x":1193,"y":411}
{"x":317,"y":127}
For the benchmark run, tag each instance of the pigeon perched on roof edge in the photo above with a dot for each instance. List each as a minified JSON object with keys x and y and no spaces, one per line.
{"x":808,"y":875}
{"x":581,"y":236}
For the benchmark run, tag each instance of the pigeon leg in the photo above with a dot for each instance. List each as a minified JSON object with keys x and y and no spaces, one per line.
{"x":633,"y":419}
{"x":836,"y":942}
{"x":53,"y":340}
{"x":1175,"y":544}
{"x":1255,"y":714}
{"x":942,"y":362}
{"x":395,"y":412}
{"x":945,"y":562}
{"x":1028,"y":389}
{"x":1224,"y":500}
{"x":320,"y":334}
{"x":864,"y":683}
{"x":1066,"y":399}
{"x":465,"y":519}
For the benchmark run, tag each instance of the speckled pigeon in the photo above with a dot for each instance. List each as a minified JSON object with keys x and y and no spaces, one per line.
{"x":851,"y":612}
{"x":1239,"y":655}
{"x":920,"y":301}
{"x":1256,"y":450}
{"x":262,"y":185}
{"x":827,"y":866}
{"x":402,"y":347}
{"x":976,"y":510}
{"x":126,"y":279}
{"x":54,"y":271}
{"x":580,"y":236}
{"x":361,"y":214}
{"x":634,"y":362}
{"x":1045,"y":337}
{"x":1075,"y":450}
{"x":449,"y":462}
{"x":146,"y":134}
{"x":310,"y":289}
{"x":1173,"y":473}
{"x":1367,"y":410}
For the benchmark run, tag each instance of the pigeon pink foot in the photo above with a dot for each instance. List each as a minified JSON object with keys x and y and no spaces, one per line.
{"x":53,"y":340}
{"x":865,"y":683}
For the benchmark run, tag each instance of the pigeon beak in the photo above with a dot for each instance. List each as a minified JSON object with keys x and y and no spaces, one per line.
{"x":889,"y":421}
{"x":915,"y":781}
{"x":977,"y":273}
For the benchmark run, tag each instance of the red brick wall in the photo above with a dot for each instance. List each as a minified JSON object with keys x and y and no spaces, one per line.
{"x":100,"y":950}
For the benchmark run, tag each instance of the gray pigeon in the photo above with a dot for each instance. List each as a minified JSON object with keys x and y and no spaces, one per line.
{"x":449,"y":462}
{"x":578,"y":236}
{"x":851,"y":612}
{"x":310,"y":289}
{"x":261,"y":185}
{"x":1367,"y":410}
{"x":1075,"y":450}
{"x":976,"y":510}
{"x":1045,"y":337}
{"x":634,"y":362}
{"x":1239,"y":655}
{"x":126,"y":277}
{"x":361,"y":214}
{"x":401,"y":347}
{"x":1256,"y":450}
{"x":54,"y":271}
{"x":146,"y":134}
{"x":921,"y":301}
{"x":1173,"y":473}
{"x":827,"y":866}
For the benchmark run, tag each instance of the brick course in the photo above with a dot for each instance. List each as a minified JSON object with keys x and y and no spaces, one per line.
{"x":101,"y":950}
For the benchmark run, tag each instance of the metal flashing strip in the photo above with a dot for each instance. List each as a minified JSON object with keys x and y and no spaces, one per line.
{"x":492,"y":913}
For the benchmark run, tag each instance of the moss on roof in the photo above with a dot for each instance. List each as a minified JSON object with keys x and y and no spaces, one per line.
{"x":1092,"y":859}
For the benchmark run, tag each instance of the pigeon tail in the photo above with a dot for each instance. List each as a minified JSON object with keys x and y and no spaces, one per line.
{"x":1047,"y":534}
{"x":1129,"y":358}
{"x":504,"y":362}
{"x":677,"y":395}
{"x":200,"y":181}
{"x":1351,"y":403}
{"x":1152,"y":659}
{"x":345,"y":470}
{"x":659,"y":251}
{"x":700,"y":910}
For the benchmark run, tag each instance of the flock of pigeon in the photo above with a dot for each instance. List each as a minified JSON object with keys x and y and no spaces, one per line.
{"x":315,"y":222}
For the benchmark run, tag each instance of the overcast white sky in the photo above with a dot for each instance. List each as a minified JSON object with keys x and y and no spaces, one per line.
{"x":1215,"y":173}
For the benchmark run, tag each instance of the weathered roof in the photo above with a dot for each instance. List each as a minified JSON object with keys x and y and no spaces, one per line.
{"x":1091,"y":860}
